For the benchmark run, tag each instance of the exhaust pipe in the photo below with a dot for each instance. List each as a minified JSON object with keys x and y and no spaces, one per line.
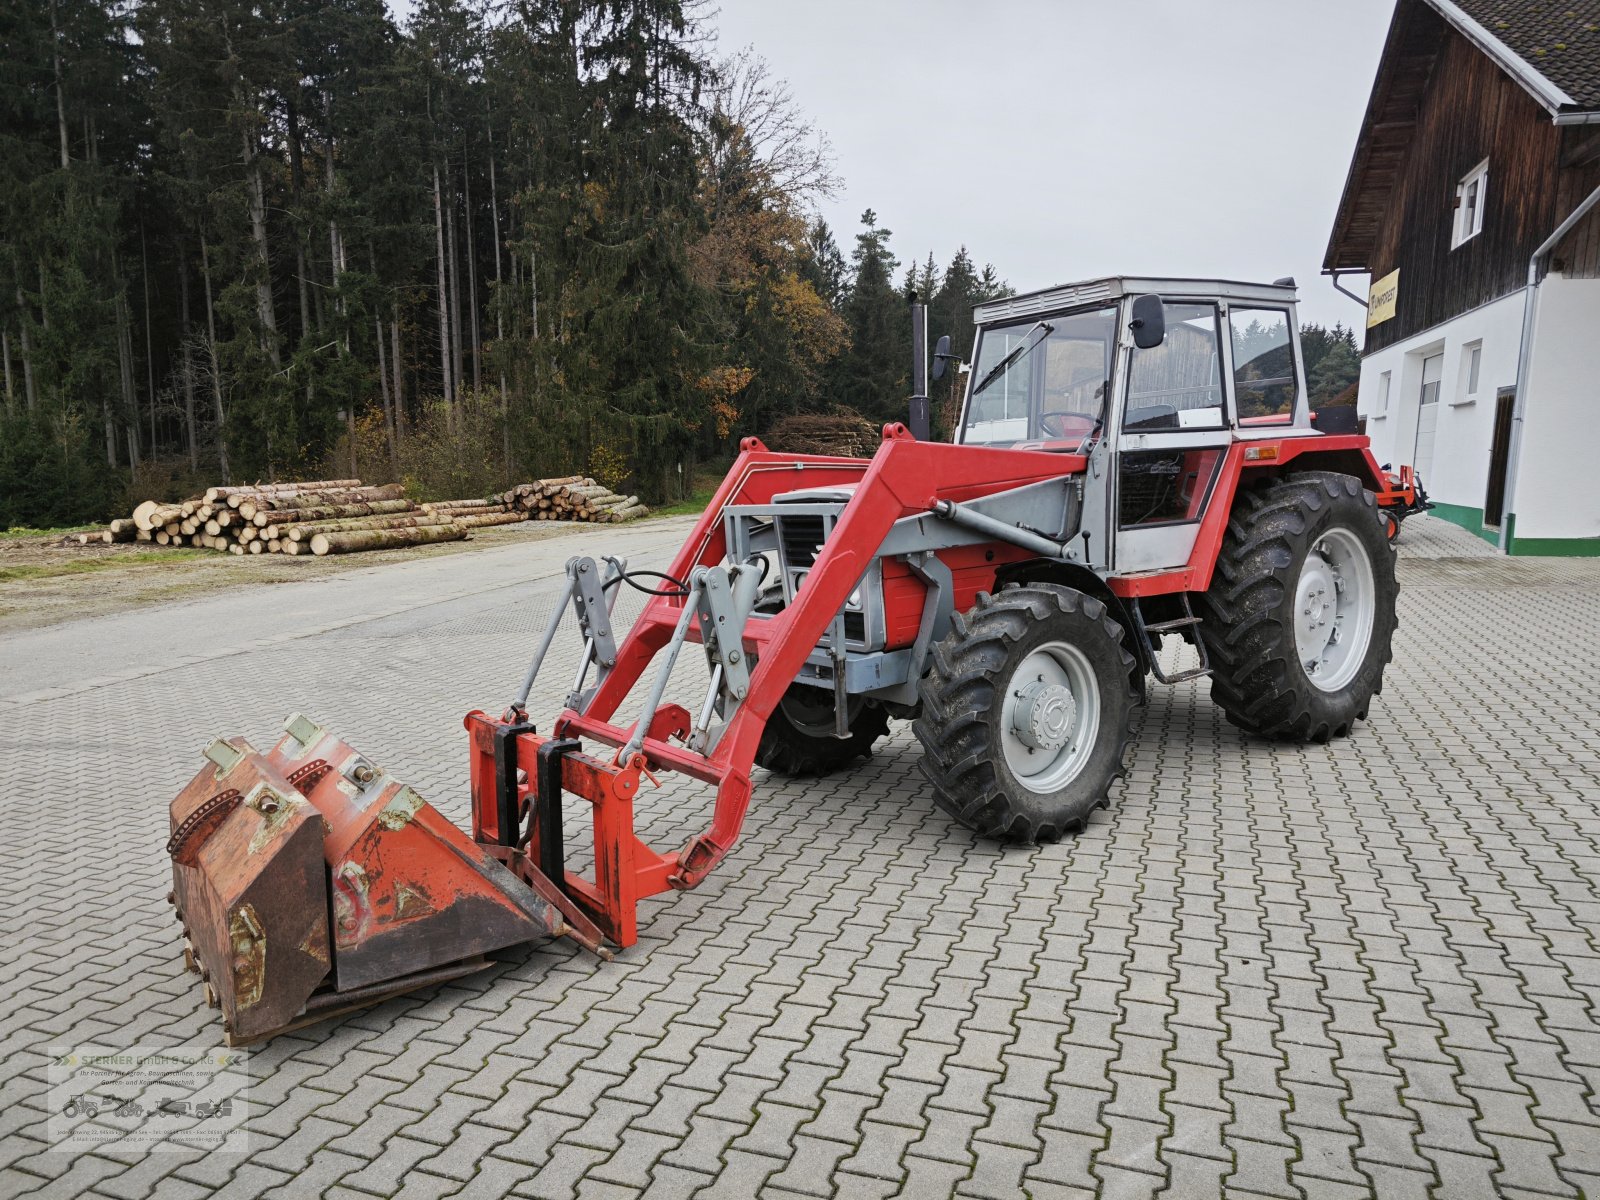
{"x":918,"y":420}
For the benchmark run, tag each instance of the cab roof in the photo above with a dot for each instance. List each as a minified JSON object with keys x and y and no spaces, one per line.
{"x":1112,"y":288}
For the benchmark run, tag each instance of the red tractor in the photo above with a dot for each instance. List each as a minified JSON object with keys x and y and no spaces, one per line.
{"x":1134,"y":460}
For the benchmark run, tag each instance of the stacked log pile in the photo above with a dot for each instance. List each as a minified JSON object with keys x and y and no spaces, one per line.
{"x":327,"y":516}
{"x":342,"y":516}
{"x":572,"y":498}
{"x":843,"y":433}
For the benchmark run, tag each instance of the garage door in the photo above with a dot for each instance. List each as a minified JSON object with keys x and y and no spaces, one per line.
{"x":1428,"y":415}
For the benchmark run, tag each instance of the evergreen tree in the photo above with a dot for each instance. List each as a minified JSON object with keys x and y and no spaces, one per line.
{"x":873,"y":376}
{"x":1332,"y":360}
{"x":950,"y":314}
{"x":824,"y":265}
{"x":270,"y":238}
{"x":639,"y":308}
{"x":922,"y":280}
{"x":1338,"y":369}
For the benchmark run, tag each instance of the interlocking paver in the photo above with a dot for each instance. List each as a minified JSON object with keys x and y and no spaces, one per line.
{"x":1364,"y":969}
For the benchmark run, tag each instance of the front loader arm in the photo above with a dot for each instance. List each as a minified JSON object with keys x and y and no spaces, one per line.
{"x":904,"y":478}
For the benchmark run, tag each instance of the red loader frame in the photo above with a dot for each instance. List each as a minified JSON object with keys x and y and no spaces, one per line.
{"x":905,"y":477}
{"x":520,"y":774}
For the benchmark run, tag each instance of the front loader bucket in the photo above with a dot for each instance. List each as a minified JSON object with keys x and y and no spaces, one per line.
{"x":309,"y":882}
{"x":249,"y":883}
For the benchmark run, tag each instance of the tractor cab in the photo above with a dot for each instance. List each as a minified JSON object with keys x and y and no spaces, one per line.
{"x":1152,"y":381}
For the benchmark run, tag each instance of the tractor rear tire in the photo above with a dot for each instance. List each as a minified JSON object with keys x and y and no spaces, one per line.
{"x":1300,"y":614}
{"x":1026,"y":713}
{"x":798,"y":738}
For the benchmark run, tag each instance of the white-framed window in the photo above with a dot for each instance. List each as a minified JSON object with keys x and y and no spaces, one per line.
{"x":1470,"y":194}
{"x":1474,"y":365}
{"x":1383,"y":394}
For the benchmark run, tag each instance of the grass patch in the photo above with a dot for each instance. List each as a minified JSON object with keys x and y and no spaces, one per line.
{"x":28,"y":531}
{"x":85,"y":566}
{"x":703,"y":487}
{"x":694,"y":505}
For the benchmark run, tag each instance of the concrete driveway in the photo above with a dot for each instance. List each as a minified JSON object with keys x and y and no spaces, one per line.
{"x":1364,"y":969}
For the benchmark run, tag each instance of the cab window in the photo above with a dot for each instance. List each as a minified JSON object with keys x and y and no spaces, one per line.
{"x":1043,"y":380}
{"x":1264,"y":385}
{"x":1178,"y":384}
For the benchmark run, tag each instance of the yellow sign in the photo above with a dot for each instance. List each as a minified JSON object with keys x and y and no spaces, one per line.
{"x":1381,"y":299}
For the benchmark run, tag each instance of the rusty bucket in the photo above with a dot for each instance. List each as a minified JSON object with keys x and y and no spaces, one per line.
{"x":309,"y":882}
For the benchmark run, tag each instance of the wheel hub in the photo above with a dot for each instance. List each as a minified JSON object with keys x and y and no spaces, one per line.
{"x":1318,"y":600}
{"x":1334,"y":609}
{"x":1049,"y":716}
{"x":1044,"y":716}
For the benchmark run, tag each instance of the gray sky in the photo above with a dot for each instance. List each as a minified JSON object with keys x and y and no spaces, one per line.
{"x":1066,"y":139}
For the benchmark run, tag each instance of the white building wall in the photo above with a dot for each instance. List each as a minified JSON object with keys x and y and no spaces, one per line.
{"x":1558,"y":474}
{"x":1466,"y":419}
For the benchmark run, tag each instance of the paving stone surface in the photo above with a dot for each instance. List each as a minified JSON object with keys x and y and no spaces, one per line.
{"x":1370,"y":968}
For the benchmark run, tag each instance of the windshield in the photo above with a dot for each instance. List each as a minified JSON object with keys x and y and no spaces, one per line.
{"x":1054,"y":391}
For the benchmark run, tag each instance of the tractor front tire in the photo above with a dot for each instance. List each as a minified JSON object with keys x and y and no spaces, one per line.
{"x":1300,"y":614}
{"x":798,"y":738}
{"x":1026,"y":713}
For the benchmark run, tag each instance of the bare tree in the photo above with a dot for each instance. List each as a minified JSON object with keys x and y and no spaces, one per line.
{"x":753,"y":112}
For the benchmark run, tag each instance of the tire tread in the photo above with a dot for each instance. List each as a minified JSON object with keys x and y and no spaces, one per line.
{"x":957,"y":760}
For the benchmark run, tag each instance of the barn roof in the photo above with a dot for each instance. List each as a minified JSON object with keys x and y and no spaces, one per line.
{"x":1551,"y":49}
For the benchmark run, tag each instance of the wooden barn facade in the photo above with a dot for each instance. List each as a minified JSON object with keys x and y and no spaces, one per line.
{"x":1473,"y":203}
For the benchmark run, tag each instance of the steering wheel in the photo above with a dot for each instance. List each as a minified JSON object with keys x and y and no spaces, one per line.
{"x":1066,"y":426}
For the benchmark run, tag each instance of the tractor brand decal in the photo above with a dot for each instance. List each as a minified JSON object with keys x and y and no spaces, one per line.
{"x":1381,"y":300}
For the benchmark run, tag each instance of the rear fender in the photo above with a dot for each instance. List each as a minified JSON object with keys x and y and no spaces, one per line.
{"x":1344,"y":454}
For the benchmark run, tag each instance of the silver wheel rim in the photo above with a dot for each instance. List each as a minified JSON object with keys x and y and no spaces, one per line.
{"x":1050,"y":717}
{"x":1333,"y":609}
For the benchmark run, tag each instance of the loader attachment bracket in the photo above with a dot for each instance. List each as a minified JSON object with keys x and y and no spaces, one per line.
{"x":547,"y":805}
{"x":508,"y":801}
{"x":625,"y":869}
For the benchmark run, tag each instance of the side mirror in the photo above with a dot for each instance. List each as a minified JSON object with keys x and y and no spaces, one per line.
{"x":1149,"y":323}
{"x":941,"y":355}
